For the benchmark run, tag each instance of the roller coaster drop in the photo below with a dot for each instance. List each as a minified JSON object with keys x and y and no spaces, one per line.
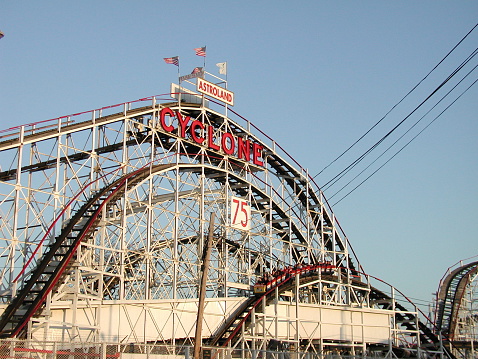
{"x":104,"y":218}
{"x":456,"y":312}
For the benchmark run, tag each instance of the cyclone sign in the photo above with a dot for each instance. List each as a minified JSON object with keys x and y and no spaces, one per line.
{"x":207,"y":136}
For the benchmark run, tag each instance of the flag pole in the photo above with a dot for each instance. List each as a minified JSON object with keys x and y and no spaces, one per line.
{"x":225,"y":85}
{"x":201,"y":51}
{"x":175,"y":61}
{"x":179,"y":81}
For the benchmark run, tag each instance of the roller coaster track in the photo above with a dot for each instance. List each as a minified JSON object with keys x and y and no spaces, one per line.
{"x":241,"y":318}
{"x":407,"y":320}
{"x":449,"y":298}
{"x":299,"y":217}
{"x":261,"y":201}
{"x":55,"y":263}
{"x":294,"y":179}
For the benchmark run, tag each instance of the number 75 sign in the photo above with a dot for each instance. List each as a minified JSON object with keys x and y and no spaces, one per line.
{"x":240,"y":214}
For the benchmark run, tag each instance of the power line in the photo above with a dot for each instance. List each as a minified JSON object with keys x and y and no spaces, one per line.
{"x":359,"y":159}
{"x":406,"y":132}
{"x":374,"y":172}
{"x":398,"y":103}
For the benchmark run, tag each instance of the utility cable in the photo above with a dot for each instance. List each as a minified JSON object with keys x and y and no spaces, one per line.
{"x":374,"y":172}
{"x":398,"y":103}
{"x":358,"y":160}
{"x":353,"y":164}
{"x":403,"y":135}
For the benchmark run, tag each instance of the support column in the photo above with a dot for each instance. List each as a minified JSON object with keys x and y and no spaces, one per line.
{"x":202,"y":293}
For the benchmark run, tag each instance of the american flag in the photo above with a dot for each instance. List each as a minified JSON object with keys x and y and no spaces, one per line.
{"x":172,"y":60}
{"x":201,"y":51}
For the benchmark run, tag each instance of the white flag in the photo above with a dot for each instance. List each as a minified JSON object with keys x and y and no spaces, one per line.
{"x":222,"y":68}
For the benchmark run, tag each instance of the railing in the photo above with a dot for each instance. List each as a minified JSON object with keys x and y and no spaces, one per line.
{"x":79,"y":117}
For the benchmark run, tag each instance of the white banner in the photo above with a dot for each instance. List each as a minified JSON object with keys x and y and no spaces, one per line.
{"x":215,"y":91}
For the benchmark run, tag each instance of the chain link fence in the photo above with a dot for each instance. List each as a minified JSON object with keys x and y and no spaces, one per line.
{"x":28,"y":349}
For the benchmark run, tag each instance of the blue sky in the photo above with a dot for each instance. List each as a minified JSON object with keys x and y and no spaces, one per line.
{"x":313,"y":75}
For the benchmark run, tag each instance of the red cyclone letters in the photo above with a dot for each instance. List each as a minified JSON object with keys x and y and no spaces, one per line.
{"x":194,"y":135}
{"x":227,"y":143}
{"x":162,"y":118}
{"x":183,"y":123}
{"x":210,"y":139}
{"x":206,"y":135}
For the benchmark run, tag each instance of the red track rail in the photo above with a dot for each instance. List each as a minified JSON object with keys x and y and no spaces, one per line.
{"x":279,"y":280}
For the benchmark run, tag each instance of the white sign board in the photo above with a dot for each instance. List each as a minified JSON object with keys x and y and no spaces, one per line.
{"x":240,"y":214}
{"x":215,"y":91}
{"x":187,"y":95}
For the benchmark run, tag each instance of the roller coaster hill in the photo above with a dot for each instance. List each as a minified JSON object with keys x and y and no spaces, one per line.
{"x":106,"y":219}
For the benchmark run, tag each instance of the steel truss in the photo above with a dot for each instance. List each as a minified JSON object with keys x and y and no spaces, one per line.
{"x":127,"y":203}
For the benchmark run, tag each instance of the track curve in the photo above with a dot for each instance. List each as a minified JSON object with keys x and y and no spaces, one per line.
{"x":241,"y":318}
{"x":449,"y":297}
{"x":139,"y":237}
{"x":56,"y":261}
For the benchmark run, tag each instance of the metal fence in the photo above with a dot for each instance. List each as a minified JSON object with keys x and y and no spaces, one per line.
{"x":28,"y":349}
